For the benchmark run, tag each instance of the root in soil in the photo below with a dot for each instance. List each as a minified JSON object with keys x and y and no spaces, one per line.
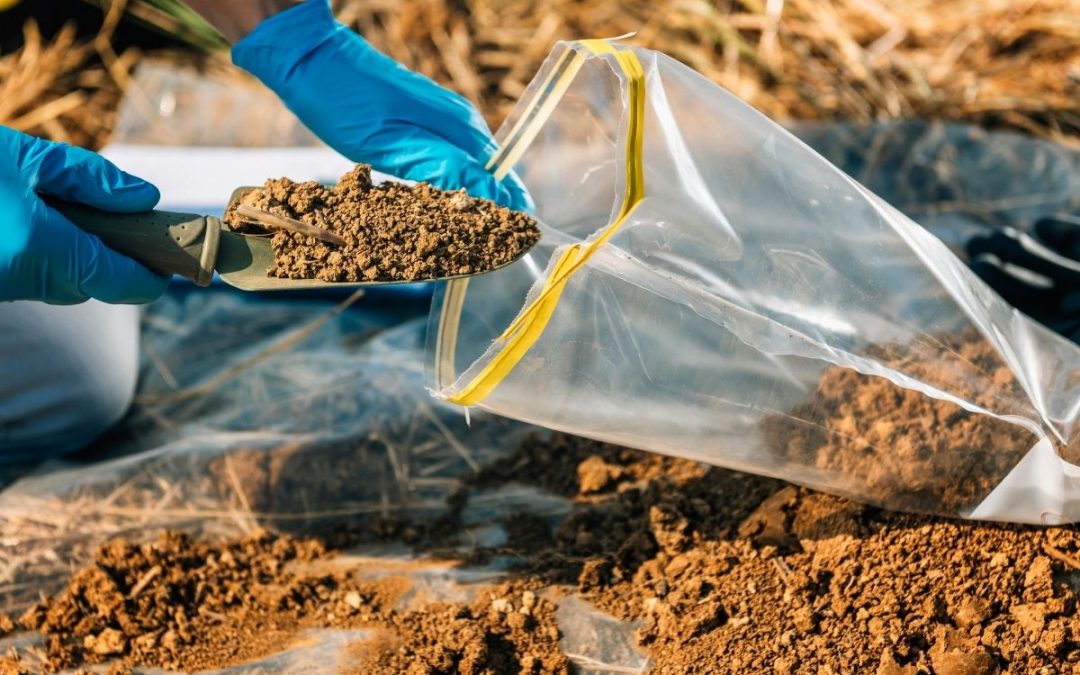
{"x":393,"y":232}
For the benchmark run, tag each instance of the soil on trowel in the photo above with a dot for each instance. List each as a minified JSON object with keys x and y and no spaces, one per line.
{"x":393,"y":232}
{"x":904,"y":449}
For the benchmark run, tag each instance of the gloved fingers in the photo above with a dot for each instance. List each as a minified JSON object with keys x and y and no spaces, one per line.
{"x":93,"y":270}
{"x":415,"y":154}
{"x":1060,"y":232}
{"x":79,"y":175}
{"x":303,"y":54}
{"x":1022,"y":250}
{"x":1040,"y":301}
{"x":420,"y":101}
{"x":15,"y":214}
{"x":520,"y":199}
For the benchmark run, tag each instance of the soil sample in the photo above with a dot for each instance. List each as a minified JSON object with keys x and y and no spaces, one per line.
{"x":393,"y":232}
{"x":904,"y":449}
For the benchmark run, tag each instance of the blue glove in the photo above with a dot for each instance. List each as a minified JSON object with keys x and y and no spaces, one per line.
{"x":370,"y":108}
{"x":42,"y":255}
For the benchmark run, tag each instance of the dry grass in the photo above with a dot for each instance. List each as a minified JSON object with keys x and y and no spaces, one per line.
{"x":50,"y":88}
{"x":999,"y":63}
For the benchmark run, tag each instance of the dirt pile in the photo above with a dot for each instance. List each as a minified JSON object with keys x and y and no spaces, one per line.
{"x":393,"y":232}
{"x":911,"y":451}
{"x":733,"y":573}
{"x":185,"y":605}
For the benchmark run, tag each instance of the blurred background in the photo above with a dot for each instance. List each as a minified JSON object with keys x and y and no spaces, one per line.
{"x":998,"y":64}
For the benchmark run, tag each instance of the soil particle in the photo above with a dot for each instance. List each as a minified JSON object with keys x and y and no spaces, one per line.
{"x":393,"y":232}
{"x":12,"y":664}
{"x":906,"y":450}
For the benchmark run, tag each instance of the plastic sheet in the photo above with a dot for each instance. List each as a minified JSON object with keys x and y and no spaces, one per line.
{"x":710,"y":287}
{"x":956,"y":180}
{"x":301,"y":417}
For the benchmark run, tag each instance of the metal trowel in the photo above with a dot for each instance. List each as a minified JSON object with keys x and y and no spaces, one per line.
{"x":195,"y":246}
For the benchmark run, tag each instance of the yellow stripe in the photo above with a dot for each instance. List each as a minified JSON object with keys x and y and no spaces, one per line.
{"x":523,"y":333}
{"x":534,"y":117}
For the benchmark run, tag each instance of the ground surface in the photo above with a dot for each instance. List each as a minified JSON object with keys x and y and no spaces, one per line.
{"x":722,"y":572}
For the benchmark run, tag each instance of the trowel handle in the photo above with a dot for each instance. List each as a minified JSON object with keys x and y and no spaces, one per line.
{"x":165,"y":241}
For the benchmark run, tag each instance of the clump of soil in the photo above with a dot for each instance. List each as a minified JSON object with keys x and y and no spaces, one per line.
{"x":12,"y":664}
{"x":509,"y":629}
{"x":906,"y":450}
{"x":570,"y":466}
{"x":186,"y":605}
{"x":393,"y":232}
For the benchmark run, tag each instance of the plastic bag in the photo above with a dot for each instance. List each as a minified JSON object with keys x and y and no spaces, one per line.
{"x":708,"y":286}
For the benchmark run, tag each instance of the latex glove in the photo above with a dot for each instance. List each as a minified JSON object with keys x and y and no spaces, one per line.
{"x":370,"y":108}
{"x":1037,"y":272}
{"x":42,"y":255}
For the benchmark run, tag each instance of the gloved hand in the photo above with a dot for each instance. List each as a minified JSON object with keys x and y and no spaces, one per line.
{"x":1037,"y":272}
{"x":42,"y":255}
{"x":370,"y":108}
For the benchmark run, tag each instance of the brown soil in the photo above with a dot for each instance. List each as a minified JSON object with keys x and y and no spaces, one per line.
{"x":187,"y":605}
{"x":12,"y":664}
{"x":733,"y":573}
{"x":905,"y":449}
{"x":509,"y":629}
{"x":393,"y":232}
{"x":725,"y":573}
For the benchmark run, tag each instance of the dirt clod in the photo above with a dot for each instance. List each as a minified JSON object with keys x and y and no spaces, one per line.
{"x":506,"y":630}
{"x":393,"y":232}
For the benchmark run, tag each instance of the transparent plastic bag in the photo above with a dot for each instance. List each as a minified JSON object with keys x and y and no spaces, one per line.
{"x":709,"y":287}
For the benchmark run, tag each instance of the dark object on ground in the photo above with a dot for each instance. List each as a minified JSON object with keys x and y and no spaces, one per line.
{"x":1037,"y":271}
{"x":975,"y":189}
